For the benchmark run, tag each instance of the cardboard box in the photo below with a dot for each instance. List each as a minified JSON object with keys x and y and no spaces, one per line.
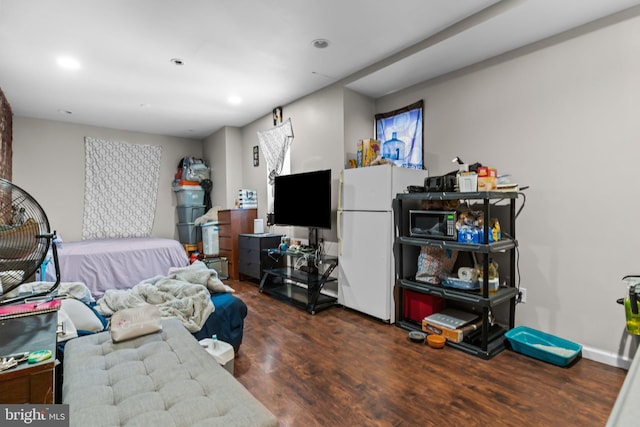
{"x":247,"y":199}
{"x":487,"y":171}
{"x":370,"y":151}
{"x":487,"y":183}
{"x":453,"y":335}
{"x":359,"y":153}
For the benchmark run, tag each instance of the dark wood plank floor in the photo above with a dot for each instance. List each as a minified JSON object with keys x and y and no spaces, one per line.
{"x":342,"y":368}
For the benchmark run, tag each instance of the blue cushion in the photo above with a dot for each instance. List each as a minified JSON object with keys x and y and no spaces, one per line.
{"x":226,"y":321}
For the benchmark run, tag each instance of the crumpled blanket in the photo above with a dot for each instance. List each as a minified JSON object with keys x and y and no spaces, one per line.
{"x":183,"y":294}
{"x":211,"y":215}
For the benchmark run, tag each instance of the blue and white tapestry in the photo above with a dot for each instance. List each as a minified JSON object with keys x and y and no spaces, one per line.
{"x":121,"y":188}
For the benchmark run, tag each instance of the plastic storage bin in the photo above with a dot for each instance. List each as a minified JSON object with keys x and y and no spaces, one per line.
{"x":210,"y":238}
{"x":189,"y":195}
{"x":190,"y":213}
{"x":417,"y":306}
{"x":189,"y":233}
{"x":543,"y":346}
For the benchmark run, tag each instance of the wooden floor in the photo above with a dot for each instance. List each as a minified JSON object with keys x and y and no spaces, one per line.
{"x":342,"y":368}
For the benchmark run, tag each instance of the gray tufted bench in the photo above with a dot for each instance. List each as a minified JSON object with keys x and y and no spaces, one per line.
{"x":161,"y":379}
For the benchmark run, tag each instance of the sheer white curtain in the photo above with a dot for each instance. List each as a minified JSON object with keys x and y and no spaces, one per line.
{"x":275,"y":145}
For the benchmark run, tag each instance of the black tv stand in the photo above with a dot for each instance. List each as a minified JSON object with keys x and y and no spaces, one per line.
{"x":313,"y":237}
{"x":300,"y":286}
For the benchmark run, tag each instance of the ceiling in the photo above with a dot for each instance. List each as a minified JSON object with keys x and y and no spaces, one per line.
{"x":259,"y":51}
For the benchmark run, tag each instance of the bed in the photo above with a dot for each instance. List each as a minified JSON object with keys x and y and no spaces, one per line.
{"x":103,"y":264}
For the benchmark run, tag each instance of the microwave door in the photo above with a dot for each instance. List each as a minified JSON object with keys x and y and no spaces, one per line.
{"x":435,"y":225}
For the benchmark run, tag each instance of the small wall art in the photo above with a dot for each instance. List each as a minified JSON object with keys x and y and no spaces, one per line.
{"x":277,"y":116}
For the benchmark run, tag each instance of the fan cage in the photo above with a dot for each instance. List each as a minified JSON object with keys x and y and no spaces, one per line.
{"x":24,"y":236}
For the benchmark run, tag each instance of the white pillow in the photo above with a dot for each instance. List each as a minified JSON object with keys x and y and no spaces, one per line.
{"x":82,"y":316}
{"x":66,"y":328}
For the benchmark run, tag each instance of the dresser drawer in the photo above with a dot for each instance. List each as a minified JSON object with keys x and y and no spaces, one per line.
{"x":224,"y":216}
{"x":226,"y":253}
{"x":248,"y":242}
{"x":224,"y":230}
{"x":225,"y":242}
{"x":250,"y":255}
{"x":250,"y":269}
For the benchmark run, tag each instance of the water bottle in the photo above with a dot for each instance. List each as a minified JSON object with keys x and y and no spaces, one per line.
{"x":393,"y":150}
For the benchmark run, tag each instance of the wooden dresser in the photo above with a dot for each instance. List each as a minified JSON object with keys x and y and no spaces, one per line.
{"x":231,"y":223}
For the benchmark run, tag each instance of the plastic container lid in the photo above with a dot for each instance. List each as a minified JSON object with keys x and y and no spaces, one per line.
{"x":187,"y":187}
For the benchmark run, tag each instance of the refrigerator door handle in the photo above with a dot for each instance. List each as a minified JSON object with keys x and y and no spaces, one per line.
{"x":339,"y":233}
{"x":339,"y":213}
{"x":340,"y":182}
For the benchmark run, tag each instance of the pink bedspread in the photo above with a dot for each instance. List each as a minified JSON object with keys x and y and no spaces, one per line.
{"x":116,"y":263}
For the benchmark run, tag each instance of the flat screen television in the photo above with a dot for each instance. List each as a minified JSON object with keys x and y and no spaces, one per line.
{"x":303,"y":199}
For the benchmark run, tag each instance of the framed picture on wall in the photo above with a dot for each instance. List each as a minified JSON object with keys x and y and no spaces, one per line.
{"x":400,"y":133}
{"x":277,"y":116}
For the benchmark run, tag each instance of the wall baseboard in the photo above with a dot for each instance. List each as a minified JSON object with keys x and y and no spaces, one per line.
{"x":611,"y":359}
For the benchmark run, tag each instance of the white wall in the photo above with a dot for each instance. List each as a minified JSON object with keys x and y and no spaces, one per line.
{"x":359,"y":111}
{"x":239,"y":163}
{"x":318,"y":123}
{"x":563,"y":120}
{"x":48,"y":162}
{"x":223,"y":151}
{"x":214,"y":151}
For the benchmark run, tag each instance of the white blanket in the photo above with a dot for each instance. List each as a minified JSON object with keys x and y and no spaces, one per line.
{"x":183,"y":294}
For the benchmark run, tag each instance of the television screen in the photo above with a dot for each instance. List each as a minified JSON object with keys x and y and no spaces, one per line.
{"x":303,"y":199}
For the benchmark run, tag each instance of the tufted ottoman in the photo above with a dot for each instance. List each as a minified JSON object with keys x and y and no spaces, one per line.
{"x":161,"y":379}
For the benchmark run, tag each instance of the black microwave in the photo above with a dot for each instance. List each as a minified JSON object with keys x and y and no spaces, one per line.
{"x":433,"y":224}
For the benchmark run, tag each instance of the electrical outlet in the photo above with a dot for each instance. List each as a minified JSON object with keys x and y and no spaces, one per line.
{"x":522,"y":295}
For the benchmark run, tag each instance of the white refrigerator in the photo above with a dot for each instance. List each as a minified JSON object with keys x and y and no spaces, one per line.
{"x":366,"y":265}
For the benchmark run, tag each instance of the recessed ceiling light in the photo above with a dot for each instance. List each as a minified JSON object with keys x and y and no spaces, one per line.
{"x":320,"y":43}
{"x":234,"y":100}
{"x":177,"y":61}
{"x":68,"y":63}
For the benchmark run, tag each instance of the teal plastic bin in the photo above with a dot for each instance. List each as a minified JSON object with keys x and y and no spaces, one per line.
{"x":543,"y":346}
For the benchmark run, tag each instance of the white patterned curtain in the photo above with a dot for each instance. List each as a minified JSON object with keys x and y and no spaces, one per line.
{"x":275,"y":145}
{"x":121,"y":188}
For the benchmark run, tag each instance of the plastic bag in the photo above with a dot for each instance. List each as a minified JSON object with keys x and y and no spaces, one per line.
{"x":194,"y":169}
{"x":433,"y":262}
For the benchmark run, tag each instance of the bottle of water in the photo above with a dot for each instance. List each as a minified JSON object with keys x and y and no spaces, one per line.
{"x":393,"y":150}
